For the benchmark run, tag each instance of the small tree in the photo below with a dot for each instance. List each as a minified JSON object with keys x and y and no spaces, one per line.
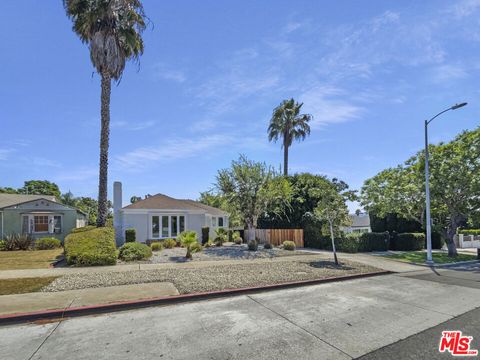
{"x":188,"y":239}
{"x":332,"y":208}
{"x":252,"y":189}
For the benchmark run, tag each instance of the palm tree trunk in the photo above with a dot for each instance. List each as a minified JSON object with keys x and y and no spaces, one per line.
{"x":104,"y":143}
{"x":285,"y":160}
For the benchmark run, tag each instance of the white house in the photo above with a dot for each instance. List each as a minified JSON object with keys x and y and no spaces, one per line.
{"x":360,"y":224}
{"x":160,"y":217}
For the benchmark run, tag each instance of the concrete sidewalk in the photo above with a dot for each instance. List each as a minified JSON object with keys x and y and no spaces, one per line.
{"x":330,"y":321}
{"x":41,"y":301}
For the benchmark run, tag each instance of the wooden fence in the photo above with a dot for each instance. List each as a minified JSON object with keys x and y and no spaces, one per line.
{"x":277,"y":236}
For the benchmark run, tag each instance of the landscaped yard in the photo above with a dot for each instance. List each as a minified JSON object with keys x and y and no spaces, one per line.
{"x":420,"y":257}
{"x":226,"y":252}
{"x":24,"y":285}
{"x":195,"y":277}
{"x":39,"y":259}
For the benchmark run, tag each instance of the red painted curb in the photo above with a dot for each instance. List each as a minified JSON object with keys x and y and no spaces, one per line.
{"x":165,"y":300}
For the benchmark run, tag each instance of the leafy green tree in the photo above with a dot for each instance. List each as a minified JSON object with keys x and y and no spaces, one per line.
{"x":68,"y":199}
{"x":8,"y":190}
{"x":112,"y":29}
{"x":40,"y":187}
{"x":454,"y":186}
{"x":332,"y":208}
{"x":211,"y":198}
{"x":288,"y":124}
{"x":252,"y":189}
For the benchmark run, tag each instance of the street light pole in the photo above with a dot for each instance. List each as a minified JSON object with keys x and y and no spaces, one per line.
{"x":428,"y":224}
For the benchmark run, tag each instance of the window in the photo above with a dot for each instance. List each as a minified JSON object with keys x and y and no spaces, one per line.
{"x":173,"y":224}
{"x":220,"y":221}
{"x":181,"y":223}
{"x":214,"y":221}
{"x":25,"y":229}
{"x":165,"y":226}
{"x":155,"y":226}
{"x":40,"y":223}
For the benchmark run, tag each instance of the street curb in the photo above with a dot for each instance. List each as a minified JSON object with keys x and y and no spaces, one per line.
{"x":61,"y":314}
{"x":434,"y":265}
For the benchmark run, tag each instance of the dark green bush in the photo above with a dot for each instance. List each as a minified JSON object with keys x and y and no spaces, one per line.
{"x":409,"y":242}
{"x":135,"y":251}
{"x":18,"y":242}
{"x":205,"y":234}
{"x":437,"y":240}
{"x":252,"y":245}
{"x":349,"y":243}
{"x":92,"y":247}
{"x":47,"y":243}
{"x":169,"y":243}
{"x":156,"y":246}
{"x":130,"y":235}
{"x":82,"y":229}
{"x":288,"y":245}
{"x":267,"y":246}
{"x":374,"y":241}
{"x":2,"y":245}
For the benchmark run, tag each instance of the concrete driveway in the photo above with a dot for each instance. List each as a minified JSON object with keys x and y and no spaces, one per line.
{"x":330,"y":321}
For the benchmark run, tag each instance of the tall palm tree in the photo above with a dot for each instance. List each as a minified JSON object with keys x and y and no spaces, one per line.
{"x":112,"y":29}
{"x":287,"y":123}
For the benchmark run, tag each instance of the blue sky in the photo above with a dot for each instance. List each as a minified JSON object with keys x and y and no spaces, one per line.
{"x":369,"y":72}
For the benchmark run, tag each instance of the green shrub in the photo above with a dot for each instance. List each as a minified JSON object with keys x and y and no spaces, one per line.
{"x":222,"y":236}
{"x":130,"y":235}
{"x":205,"y":234}
{"x":349,"y":243}
{"x":132,"y":251}
{"x":209,"y":243}
{"x":190,"y":242}
{"x":252,"y":245}
{"x":238,"y":241}
{"x":409,"y":242}
{"x":469,"y":231}
{"x":288,"y":245}
{"x":267,"y":246}
{"x":2,"y":245}
{"x":374,"y":241}
{"x":82,"y":229}
{"x":156,"y":246}
{"x":91,"y":247}
{"x":18,"y":242}
{"x":47,"y":243}
{"x":169,"y":243}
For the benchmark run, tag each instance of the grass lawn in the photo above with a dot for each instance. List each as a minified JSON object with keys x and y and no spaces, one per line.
{"x":26,"y":285}
{"x":39,"y":259}
{"x":438,"y":258}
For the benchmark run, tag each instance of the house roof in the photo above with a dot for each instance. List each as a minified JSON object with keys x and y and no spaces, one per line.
{"x":7,"y":200}
{"x":164,"y":202}
{"x":362,"y":220}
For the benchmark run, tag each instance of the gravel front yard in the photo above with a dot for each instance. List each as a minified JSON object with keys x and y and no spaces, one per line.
{"x":216,"y":277}
{"x":227,"y":252}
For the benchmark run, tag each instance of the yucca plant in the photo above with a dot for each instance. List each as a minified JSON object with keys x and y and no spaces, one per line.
{"x":189,"y":240}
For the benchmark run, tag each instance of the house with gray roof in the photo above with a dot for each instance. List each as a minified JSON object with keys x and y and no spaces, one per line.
{"x":160,"y":217}
{"x":37,"y":215}
{"x":360,"y":223}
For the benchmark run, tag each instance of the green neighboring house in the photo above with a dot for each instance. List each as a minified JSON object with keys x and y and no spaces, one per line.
{"x":38,"y":215}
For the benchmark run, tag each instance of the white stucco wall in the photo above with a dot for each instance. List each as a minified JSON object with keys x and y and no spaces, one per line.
{"x":139,"y":222}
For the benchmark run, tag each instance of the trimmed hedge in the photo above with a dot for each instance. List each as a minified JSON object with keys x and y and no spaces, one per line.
{"x":82,"y":229}
{"x":469,"y":231}
{"x":132,"y":251}
{"x":352,"y":243}
{"x":91,"y":247}
{"x":288,"y":245}
{"x":409,"y":242}
{"x":130,"y":235}
{"x":47,"y":243}
{"x":156,"y":246}
{"x":169,"y":243}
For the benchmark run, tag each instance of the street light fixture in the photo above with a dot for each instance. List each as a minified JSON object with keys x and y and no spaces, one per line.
{"x":427,"y":183}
